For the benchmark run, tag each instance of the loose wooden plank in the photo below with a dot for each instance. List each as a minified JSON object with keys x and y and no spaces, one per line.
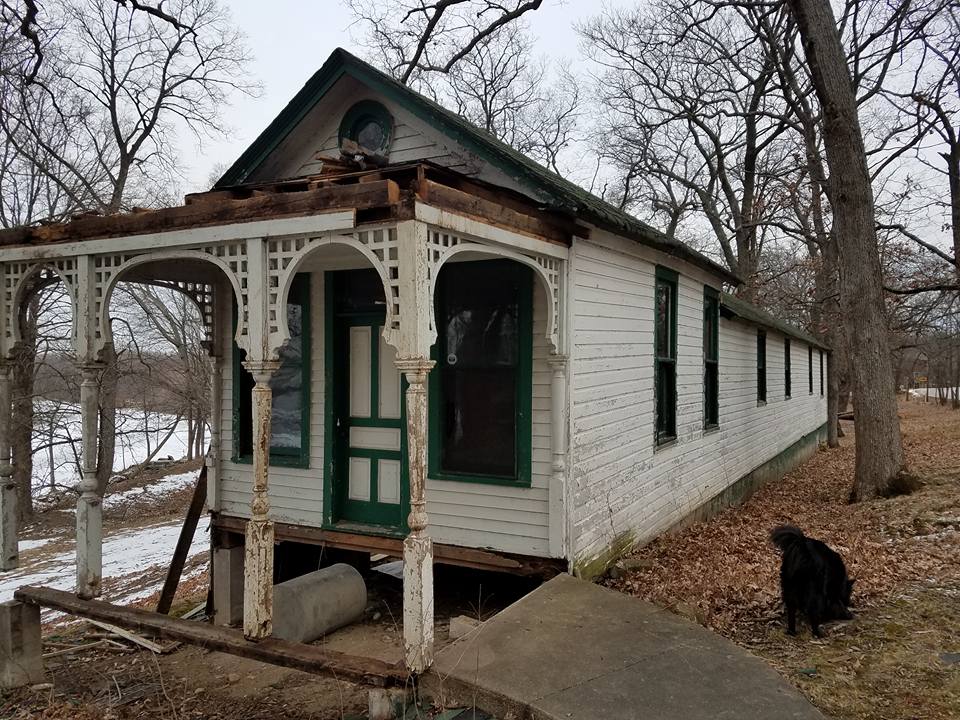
{"x":308,"y":658}
{"x":131,"y":637}
{"x":489,"y":211}
{"x":216,"y":210}
{"x":183,"y":543}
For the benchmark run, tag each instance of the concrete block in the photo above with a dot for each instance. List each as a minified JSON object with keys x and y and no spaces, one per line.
{"x":387,"y":704}
{"x":21,"y":649}
{"x":312,"y":605}
{"x":228,"y":585}
{"x":462,"y":625}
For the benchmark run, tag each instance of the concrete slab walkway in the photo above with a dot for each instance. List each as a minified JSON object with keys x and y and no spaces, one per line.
{"x":572,"y":650}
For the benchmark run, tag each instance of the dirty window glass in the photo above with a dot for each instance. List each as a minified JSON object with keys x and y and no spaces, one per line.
{"x":478,"y":320}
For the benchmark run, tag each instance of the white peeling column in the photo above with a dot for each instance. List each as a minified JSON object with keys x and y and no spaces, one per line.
{"x":258,"y":567}
{"x":10,"y":557}
{"x":558,"y":448}
{"x":89,"y":506}
{"x":417,"y":546}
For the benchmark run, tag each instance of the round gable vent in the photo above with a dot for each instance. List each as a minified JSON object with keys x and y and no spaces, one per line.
{"x":366,"y":130}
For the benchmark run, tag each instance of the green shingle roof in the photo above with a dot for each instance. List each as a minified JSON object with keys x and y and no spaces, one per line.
{"x":751,"y":313}
{"x":553,"y":191}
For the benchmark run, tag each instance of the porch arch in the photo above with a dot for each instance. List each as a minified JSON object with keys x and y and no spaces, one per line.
{"x":311,"y":247}
{"x":26,"y":286}
{"x":103,"y":322}
{"x":544,"y":281}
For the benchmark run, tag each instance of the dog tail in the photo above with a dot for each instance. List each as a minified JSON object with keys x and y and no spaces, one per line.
{"x":786,"y":536}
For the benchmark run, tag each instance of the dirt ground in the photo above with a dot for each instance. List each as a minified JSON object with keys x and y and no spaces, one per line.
{"x":899,"y":659}
{"x":131,"y":683}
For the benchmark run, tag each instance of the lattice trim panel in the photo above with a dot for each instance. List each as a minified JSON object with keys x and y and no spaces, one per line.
{"x":22,"y":278}
{"x":284,"y":256}
{"x":233,"y":255}
{"x":442,"y":245}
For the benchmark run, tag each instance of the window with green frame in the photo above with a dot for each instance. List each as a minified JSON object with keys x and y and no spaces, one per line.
{"x":810,"y":368}
{"x":821,"y":373}
{"x":665,"y":355}
{"x":711,"y":357}
{"x":481,"y":389}
{"x":290,"y":410}
{"x":787,"y":374}
{"x":761,"y":366}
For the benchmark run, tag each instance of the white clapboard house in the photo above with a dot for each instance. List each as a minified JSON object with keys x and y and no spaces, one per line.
{"x":426,"y":345}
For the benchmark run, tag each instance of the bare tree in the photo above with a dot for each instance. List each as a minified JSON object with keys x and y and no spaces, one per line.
{"x":92,"y":129}
{"x":692,"y":120}
{"x":492,"y":80}
{"x":415,"y":36}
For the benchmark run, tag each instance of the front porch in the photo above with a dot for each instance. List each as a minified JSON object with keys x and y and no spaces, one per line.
{"x":244,"y":255}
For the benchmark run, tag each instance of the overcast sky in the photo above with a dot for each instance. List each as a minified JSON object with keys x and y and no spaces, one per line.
{"x":290,"y":39}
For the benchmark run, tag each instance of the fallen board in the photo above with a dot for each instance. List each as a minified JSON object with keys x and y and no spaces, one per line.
{"x":308,"y":658}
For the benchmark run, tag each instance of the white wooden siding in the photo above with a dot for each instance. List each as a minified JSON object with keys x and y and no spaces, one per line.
{"x":413,"y":139}
{"x":501,"y":518}
{"x":623,"y":486}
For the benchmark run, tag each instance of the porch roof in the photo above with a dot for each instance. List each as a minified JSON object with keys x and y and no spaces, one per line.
{"x":554,"y":192}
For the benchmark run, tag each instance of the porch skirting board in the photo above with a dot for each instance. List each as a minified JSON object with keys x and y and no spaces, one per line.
{"x":734,"y":494}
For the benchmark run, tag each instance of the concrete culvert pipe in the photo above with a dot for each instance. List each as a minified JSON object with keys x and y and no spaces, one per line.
{"x":312,"y":605}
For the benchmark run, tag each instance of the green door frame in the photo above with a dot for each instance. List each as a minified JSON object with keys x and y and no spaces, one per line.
{"x":378,"y":518}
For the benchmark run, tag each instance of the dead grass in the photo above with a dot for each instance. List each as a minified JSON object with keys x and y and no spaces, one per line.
{"x":902,"y":551}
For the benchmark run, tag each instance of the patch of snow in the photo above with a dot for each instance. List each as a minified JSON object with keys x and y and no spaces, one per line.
{"x":155,"y":491}
{"x":125,"y":553}
{"x":24,"y":545}
{"x":138,"y":434}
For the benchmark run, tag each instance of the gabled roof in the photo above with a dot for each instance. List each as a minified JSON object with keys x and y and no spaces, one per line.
{"x":751,"y":313}
{"x":556,"y":193}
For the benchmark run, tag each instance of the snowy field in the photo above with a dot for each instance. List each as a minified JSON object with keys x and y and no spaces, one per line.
{"x":933,"y":393}
{"x":139,"y":435}
{"x":127,"y":556}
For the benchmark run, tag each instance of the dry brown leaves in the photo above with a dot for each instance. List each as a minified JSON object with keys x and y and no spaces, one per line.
{"x":725,"y":574}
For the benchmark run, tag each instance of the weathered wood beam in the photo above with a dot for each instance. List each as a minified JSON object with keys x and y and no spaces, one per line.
{"x":489,"y":211}
{"x":180,"y":553}
{"x":308,"y":658}
{"x":447,"y":554}
{"x":216,"y":210}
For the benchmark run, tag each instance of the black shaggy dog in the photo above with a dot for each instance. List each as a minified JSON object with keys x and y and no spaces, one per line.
{"x":813,"y":578}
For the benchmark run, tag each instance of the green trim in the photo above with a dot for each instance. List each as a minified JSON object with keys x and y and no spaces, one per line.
{"x":821,"y":373}
{"x":361,"y":112}
{"x":810,"y":369}
{"x":300,"y":294}
{"x":523,"y":401}
{"x":665,"y":277}
{"x":761,"y":366}
{"x":711,"y":402}
{"x":787,"y":370}
{"x":370,"y":517}
{"x":554,"y":192}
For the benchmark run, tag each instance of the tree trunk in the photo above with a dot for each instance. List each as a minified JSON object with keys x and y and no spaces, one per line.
{"x":21,"y":427}
{"x":953,"y":172}
{"x":879,"y":453}
{"x":108,"y":418}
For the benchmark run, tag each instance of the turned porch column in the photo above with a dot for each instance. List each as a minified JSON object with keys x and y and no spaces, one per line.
{"x":9,"y":553}
{"x":558,"y":449}
{"x":417,"y":546}
{"x":89,"y":505}
{"x":258,"y":568}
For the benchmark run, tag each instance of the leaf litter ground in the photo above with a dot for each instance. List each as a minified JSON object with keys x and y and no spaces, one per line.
{"x":900,"y":657}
